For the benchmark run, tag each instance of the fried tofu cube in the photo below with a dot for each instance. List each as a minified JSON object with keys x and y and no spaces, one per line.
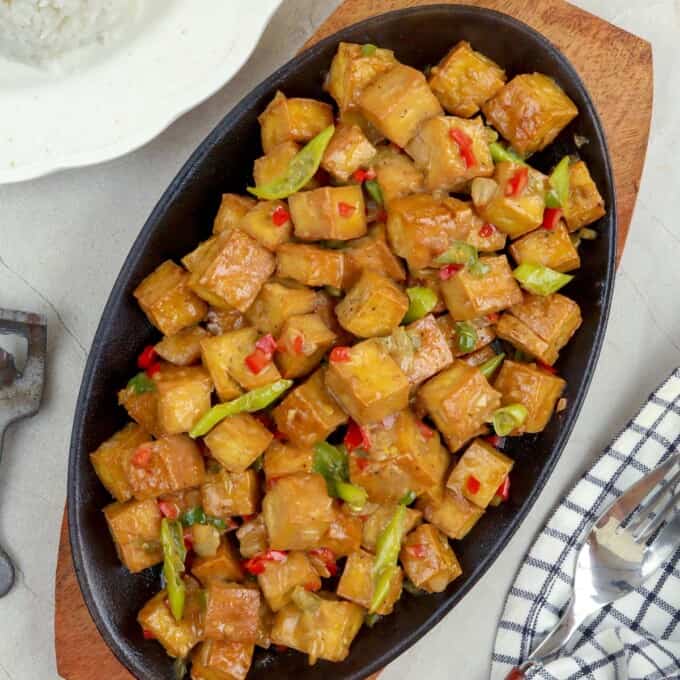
{"x":428,"y":560}
{"x":278,"y":301}
{"x":108,"y":460}
{"x":585,"y":204}
{"x":376,"y":522}
{"x":282,"y":459}
{"x":343,"y":536}
{"x":397,"y":102}
{"x":465,"y":79}
{"x":252,"y":536}
{"x":369,"y":386}
{"x":279,"y":579}
{"x":481,"y":356}
{"x":297,"y":512}
{"x":460,"y":401}
{"x":296,"y":120}
{"x":232,"y":612}
{"x":167,"y":301}
{"x":450,"y":512}
{"x":537,"y":389}
{"x":238,"y":441}
{"x":374,"y":306}
{"x":220,"y":321}
{"x":530,"y":111}
{"x":217,"y":353}
{"x":219,"y":660}
{"x":259,"y":223}
{"x":183,"y":398}
{"x":232,"y":209}
{"x":518,"y":214}
{"x":471,"y":228}
{"x":541,"y":325}
{"x":385,"y":481}
{"x":347,"y":151}
{"x":336,"y":213}
{"x":308,"y":413}
{"x":136,"y":530}
{"x":469,"y":295}
{"x":550,"y":247}
{"x":225,"y":494}
{"x":352,"y":70}
{"x":326,"y":633}
{"x":302,"y":344}
{"x":224,"y":565}
{"x":142,"y":407}
{"x":397,"y":175}
{"x":437,"y":153}
{"x":357,"y":583}
{"x":484,"y":330}
{"x":311,"y":265}
{"x":371,"y":252}
{"x":274,"y":164}
{"x":183,"y":348}
{"x":479,"y":473}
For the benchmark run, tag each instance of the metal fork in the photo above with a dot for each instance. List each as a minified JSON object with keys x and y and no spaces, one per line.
{"x":625,"y":546}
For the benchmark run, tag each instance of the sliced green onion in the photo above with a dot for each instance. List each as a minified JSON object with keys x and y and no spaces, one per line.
{"x":368,"y":50}
{"x":179,"y":668}
{"x":333,"y":291}
{"x":381,"y":587}
{"x":412,"y":588}
{"x":304,"y":600}
{"x":479,"y":269}
{"x":174,"y":554}
{"x":466,"y":336}
{"x":195,"y":515}
{"x":408,"y":498}
{"x":388,"y":543}
{"x":509,"y":418}
{"x":352,"y":494}
{"x":371,"y":619}
{"x":488,"y":368}
{"x":559,"y":181}
{"x":421,"y":301}
{"x":500,"y":154}
{"x":141,"y":383}
{"x":374,"y":191}
{"x":459,"y":252}
{"x":540,"y":280}
{"x":587,"y":234}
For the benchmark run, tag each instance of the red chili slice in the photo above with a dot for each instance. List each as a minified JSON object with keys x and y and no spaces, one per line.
{"x":142,"y":456}
{"x":147,"y":357}
{"x":312,"y":587}
{"x":449,"y":270}
{"x":271,"y":482}
{"x":298,"y":344}
{"x":426,"y":431}
{"x":472,"y":484}
{"x":256,"y":565}
{"x":551,"y":218}
{"x":339,"y":354}
{"x":188,"y":539}
{"x":504,"y":489}
{"x":517,"y":183}
{"x":267,"y":344}
{"x":381,"y":216}
{"x":280,"y":216}
{"x":153,"y":369}
{"x":281,"y":648}
{"x":362,"y":463}
{"x":356,"y":438}
{"x":493,"y":317}
{"x":362,"y":175}
{"x":169,"y":510}
{"x":546,"y":367}
{"x":494,"y":440}
{"x":346,"y":209}
{"x":464,"y":142}
{"x":327,"y":556}
{"x":148,"y":635}
{"x":257,"y":361}
{"x":487,"y":230}
{"x":418,"y":550}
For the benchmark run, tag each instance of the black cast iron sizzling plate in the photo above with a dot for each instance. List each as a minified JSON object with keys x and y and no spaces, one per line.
{"x":183,"y":217}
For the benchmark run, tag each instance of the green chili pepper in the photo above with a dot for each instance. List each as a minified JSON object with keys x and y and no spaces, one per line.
{"x":301,"y":169}
{"x":458,"y":252}
{"x":252,"y":401}
{"x":333,"y":291}
{"x":386,"y":555}
{"x":508,"y":418}
{"x":500,"y":154}
{"x":371,"y":619}
{"x":489,"y":367}
{"x":195,"y":515}
{"x":381,"y":587}
{"x":353,"y":495}
{"x":412,"y":588}
{"x":479,"y":268}
{"x":421,"y":301}
{"x":179,"y":668}
{"x":558,"y":195}
{"x":217,"y":522}
{"x":466,"y":335}
{"x":331,"y":463}
{"x":540,"y":280}
{"x":368,"y":50}
{"x":174,"y":554}
{"x":142,"y":383}
{"x":408,"y":498}
{"x":374,"y":191}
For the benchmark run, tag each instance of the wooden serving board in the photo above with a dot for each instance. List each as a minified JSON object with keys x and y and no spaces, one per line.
{"x":617,"y":69}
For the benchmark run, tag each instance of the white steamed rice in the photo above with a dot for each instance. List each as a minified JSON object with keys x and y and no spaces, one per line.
{"x":36,"y":31}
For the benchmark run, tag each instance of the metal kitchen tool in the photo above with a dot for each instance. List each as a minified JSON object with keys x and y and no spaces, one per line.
{"x":627,"y":544}
{"x":20,"y":392}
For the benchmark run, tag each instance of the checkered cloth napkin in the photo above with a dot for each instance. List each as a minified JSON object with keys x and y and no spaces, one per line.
{"x":637,"y":637}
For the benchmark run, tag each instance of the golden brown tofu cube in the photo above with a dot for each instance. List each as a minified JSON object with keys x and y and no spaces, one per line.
{"x":278,"y":301}
{"x":541,"y":325}
{"x":237,"y":441}
{"x":220,"y":321}
{"x":302,"y":344}
{"x":165,"y":298}
{"x":484,"y":329}
{"x":219,"y":660}
{"x":282,"y":459}
{"x":357,"y":583}
{"x":275,"y":163}
{"x":108,"y":460}
{"x":550,"y":247}
{"x":481,"y":356}
{"x":225,"y":494}
{"x":428,"y":560}
{"x":343,"y":536}
{"x":296,"y":120}
{"x":232,"y":612}
{"x":447,"y":165}
{"x":514,"y":212}
{"x":464,"y":79}
{"x":530,"y":111}
{"x":308,"y":413}
{"x":252,"y":536}
{"x":371,"y":252}
{"x":536,"y":389}
{"x":460,"y":401}
{"x":259,"y":222}
{"x":297,"y":512}
{"x":352,"y":70}
{"x":420,"y":349}
{"x":585,"y":205}
{"x":471,"y":228}
{"x":374,"y":306}
{"x":183,"y":348}
{"x":136,"y":530}
{"x":311,"y":265}
{"x":369,"y":385}
{"x":142,"y":408}
{"x":397,"y":174}
{"x":376,"y":522}
{"x":279,"y":579}
{"x":479,"y":473}
{"x":224,"y":565}
{"x":336,"y":213}
{"x":218,"y":354}
{"x":469,"y":295}
{"x":232,"y":208}
{"x":183,"y":398}
{"x":398,"y":102}
{"x":450,"y":512}
{"x":385,"y":481}
{"x":347,"y":151}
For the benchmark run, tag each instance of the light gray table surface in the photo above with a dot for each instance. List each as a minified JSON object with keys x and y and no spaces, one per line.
{"x":64,"y":237}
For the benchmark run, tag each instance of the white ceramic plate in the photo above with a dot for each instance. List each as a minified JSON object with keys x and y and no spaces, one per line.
{"x":178,"y":54}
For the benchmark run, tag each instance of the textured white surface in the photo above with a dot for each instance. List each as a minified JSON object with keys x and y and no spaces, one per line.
{"x":63,"y":239}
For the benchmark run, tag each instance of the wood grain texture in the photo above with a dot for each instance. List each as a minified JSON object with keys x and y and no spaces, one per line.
{"x":616,"y":66}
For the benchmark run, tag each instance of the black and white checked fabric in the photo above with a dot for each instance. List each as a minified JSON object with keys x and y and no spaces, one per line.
{"x":636,"y":638}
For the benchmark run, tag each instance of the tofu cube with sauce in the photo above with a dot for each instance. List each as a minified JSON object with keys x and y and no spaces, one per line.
{"x":219,"y":660}
{"x":376,"y":522}
{"x":226,"y":494}
{"x":282,"y":458}
{"x":450,"y":512}
{"x":371,"y":252}
{"x":471,"y":228}
{"x":484,"y":332}
{"x":183,"y":397}
{"x":279,"y":579}
{"x":302,"y":344}
{"x":224,"y":565}
{"x":465,"y":79}
{"x":142,"y":407}
{"x":347,"y":151}
{"x":550,"y":247}
{"x":585,"y":204}
{"x":343,"y":536}
{"x":233,"y":208}
{"x":183,"y":348}
{"x":275,"y":163}
{"x":311,"y":265}
{"x":277,"y":301}
{"x":252,"y":536}
{"x":262,"y":223}
{"x":232,"y":612}
{"x":238,"y":441}
{"x":217,"y":353}
{"x":397,"y":174}
{"x":530,"y":111}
